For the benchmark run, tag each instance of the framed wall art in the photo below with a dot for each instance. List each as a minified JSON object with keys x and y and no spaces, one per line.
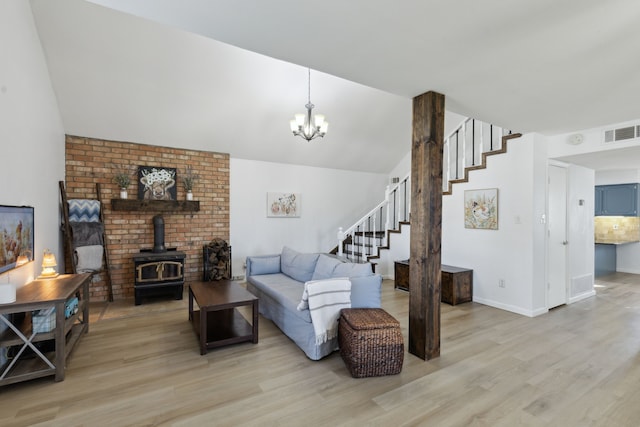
{"x":156,"y":183}
{"x":16,"y":236}
{"x":283,"y":205}
{"x":481,"y":209}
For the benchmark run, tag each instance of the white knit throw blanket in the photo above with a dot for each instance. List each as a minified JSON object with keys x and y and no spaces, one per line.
{"x":325,"y":299}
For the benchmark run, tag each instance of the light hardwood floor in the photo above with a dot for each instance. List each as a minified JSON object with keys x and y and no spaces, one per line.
{"x":578,"y":365}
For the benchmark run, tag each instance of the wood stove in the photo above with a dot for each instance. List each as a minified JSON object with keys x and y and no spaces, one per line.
{"x":158,"y":273}
{"x":158,"y":270}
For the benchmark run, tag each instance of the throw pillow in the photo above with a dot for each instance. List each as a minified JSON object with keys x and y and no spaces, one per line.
{"x":365,"y":291}
{"x":324,"y":267}
{"x":297,"y":265}
{"x":88,"y":258}
{"x":268,"y":264}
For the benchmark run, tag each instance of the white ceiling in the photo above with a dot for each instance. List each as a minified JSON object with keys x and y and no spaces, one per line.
{"x":532,"y":66}
{"x":617,"y":159}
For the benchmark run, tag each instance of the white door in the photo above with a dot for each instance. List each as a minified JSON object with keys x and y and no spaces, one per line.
{"x":557,"y":237}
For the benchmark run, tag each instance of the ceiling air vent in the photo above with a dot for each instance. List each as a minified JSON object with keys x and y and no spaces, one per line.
{"x":621,"y":134}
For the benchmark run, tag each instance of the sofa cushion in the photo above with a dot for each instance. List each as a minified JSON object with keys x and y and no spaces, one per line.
{"x":352,"y":269}
{"x":282,"y":290}
{"x":297,"y":265}
{"x":365,"y":291}
{"x":324,"y":267}
{"x":266,"y":264}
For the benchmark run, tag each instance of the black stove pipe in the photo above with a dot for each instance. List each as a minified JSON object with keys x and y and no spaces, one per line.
{"x":158,"y":234}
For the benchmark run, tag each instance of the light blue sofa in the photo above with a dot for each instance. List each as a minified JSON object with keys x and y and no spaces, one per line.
{"x":278,"y":282}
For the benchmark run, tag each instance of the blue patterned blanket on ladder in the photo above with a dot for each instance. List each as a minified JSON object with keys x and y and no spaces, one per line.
{"x":84,"y":210}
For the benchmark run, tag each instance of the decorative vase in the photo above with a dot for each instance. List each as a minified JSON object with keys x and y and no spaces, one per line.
{"x":123,"y":193}
{"x":189,"y":195}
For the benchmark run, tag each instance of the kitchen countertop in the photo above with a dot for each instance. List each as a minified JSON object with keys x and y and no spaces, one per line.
{"x":615,"y":242}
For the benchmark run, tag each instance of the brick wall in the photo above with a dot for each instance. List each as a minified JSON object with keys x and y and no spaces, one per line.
{"x":89,"y":161}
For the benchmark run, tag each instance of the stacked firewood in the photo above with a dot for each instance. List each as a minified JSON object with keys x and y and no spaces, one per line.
{"x":217,"y":260}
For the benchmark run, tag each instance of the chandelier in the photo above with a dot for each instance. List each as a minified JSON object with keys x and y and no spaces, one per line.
{"x":307,"y":125}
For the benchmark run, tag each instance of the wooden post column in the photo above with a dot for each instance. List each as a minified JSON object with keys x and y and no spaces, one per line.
{"x":426,"y":225}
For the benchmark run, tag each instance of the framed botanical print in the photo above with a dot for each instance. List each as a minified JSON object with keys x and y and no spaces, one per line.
{"x":283,"y":205}
{"x":481,"y":209}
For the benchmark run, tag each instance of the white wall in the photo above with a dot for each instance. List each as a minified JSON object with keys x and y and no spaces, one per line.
{"x":593,"y":142}
{"x":330,"y":198}
{"x":622,"y":176}
{"x":506,"y":253}
{"x":538,"y":227}
{"x":399,"y":248}
{"x":31,"y":133}
{"x":516,"y":252}
{"x":580,"y":232}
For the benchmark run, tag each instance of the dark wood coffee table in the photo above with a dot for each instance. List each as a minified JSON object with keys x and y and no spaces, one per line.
{"x":218,"y":323}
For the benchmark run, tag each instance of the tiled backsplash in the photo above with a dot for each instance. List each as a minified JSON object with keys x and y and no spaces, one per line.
{"x":617,"y":229}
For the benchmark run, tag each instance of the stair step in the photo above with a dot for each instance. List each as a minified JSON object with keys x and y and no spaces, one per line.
{"x":369,"y":246}
{"x":376,"y":234}
{"x":353,"y":254}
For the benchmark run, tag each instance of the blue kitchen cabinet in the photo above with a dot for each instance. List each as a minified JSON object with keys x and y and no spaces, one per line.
{"x":598,"y":200}
{"x":616,"y":200}
{"x":605,"y":260}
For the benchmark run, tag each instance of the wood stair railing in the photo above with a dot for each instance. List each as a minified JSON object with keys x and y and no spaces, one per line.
{"x":483,"y":164}
{"x":364,"y":240}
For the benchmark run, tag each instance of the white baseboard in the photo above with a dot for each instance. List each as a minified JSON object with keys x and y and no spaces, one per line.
{"x":511,"y":308}
{"x":582,"y":296}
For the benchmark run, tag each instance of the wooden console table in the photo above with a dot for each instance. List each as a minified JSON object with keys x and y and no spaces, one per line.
{"x":457,"y":282}
{"x":37,"y":295}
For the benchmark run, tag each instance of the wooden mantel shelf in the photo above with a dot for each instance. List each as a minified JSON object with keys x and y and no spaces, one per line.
{"x":155,"y":205}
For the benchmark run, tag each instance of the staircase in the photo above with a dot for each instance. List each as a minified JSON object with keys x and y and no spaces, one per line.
{"x":465,"y":149}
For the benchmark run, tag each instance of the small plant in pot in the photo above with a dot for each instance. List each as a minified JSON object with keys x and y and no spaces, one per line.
{"x":123,"y":179}
{"x":188,"y":181}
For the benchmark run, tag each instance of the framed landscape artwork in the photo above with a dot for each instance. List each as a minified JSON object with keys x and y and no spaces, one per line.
{"x":481,"y":209}
{"x":16,"y":236}
{"x":283,"y":205}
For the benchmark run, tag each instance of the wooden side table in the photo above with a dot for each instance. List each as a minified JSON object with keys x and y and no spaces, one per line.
{"x":218,"y":323}
{"x":457,"y":285}
{"x":457,"y":282}
{"x":401,"y":280}
{"x":37,"y":295}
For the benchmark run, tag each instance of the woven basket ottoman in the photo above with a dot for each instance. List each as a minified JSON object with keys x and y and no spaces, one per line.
{"x":371,"y":342}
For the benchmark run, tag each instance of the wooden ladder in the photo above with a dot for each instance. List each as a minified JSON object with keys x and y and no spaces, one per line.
{"x":68,"y":238}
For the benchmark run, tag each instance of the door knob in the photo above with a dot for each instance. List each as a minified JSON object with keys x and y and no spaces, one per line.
{"x":565,"y":242}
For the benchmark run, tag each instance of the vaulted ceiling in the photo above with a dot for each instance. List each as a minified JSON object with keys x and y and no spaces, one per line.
{"x":227,"y":75}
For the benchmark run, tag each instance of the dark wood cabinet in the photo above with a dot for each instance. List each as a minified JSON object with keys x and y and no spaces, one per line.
{"x":457,"y":282}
